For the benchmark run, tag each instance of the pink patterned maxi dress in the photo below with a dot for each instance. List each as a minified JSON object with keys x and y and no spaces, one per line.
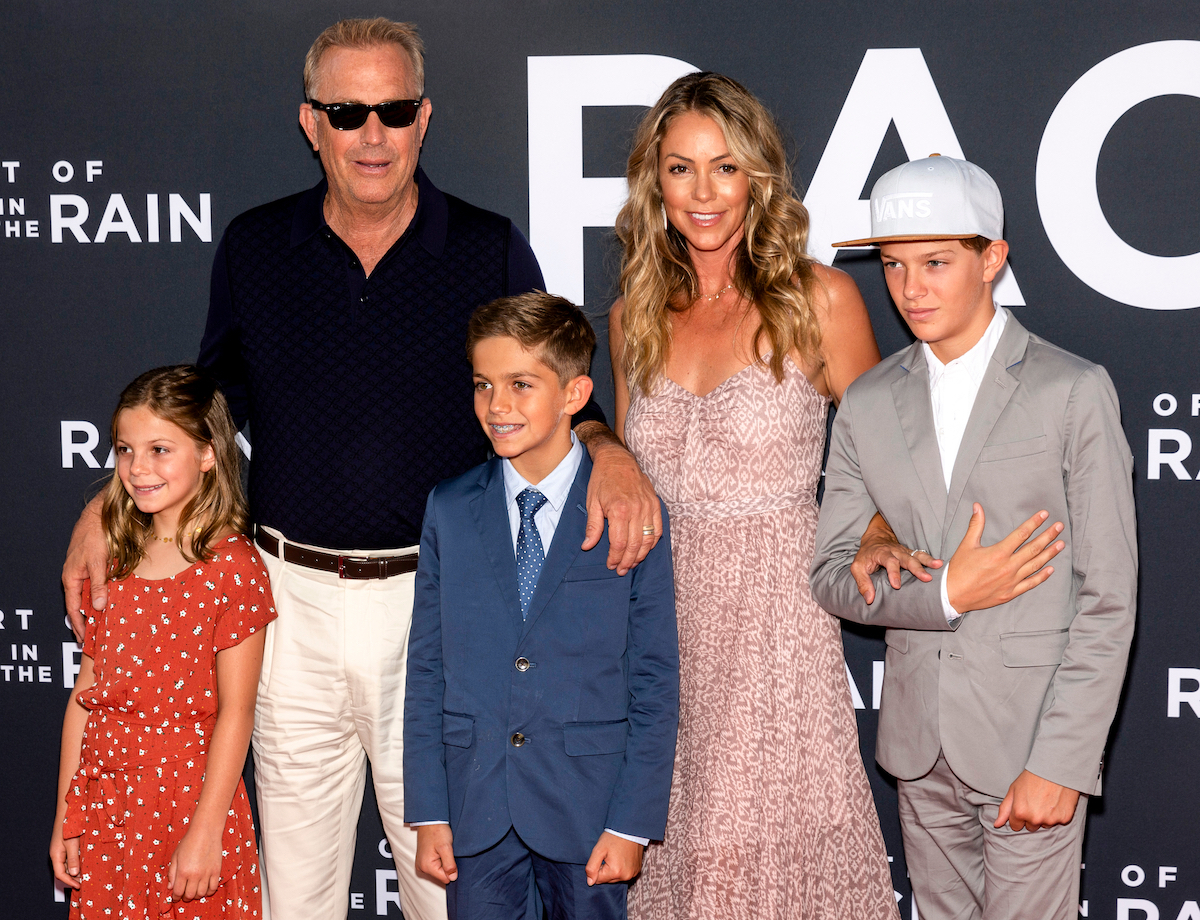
{"x":771,"y":814}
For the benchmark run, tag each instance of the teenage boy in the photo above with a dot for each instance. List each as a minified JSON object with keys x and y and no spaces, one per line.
{"x":543,"y":688}
{"x":997,"y":699}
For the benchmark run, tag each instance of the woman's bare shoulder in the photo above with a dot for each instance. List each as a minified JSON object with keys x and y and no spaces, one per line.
{"x":833,"y":288}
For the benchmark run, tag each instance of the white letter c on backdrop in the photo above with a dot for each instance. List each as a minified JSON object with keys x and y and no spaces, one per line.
{"x":1066,"y":177}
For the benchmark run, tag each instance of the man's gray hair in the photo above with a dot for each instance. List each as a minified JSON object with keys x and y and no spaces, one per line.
{"x":365,"y":33}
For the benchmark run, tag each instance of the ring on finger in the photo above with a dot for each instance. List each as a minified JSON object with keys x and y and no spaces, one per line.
{"x":915,"y":551}
{"x":648,"y":530}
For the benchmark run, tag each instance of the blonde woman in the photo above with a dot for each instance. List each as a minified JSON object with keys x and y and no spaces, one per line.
{"x":728,"y":344}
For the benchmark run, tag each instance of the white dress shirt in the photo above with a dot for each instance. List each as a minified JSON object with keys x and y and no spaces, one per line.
{"x":952,"y":391}
{"x":556,"y":487}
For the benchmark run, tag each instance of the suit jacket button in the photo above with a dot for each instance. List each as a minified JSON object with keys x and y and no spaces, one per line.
{"x":517,"y":739}
{"x":522,"y":664}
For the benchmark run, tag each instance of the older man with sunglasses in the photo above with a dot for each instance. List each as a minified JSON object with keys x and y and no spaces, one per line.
{"x":337,"y":326}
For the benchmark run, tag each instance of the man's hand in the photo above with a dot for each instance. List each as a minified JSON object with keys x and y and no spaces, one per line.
{"x":986,"y":576}
{"x":620,"y":492}
{"x":87,"y":558}
{"x":614,"y":859}
{"x":435,"y":852}
{"x":878,"y":549}
{"x":1033,"y":803}
{"x":64,"y":858}
{"x":195,"y":867}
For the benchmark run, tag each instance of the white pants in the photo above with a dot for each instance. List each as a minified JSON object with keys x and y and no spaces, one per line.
{"x":331,"y":695}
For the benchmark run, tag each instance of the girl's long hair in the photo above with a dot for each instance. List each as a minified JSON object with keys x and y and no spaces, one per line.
{"x":185,"y":396}
{"x":771,"y":266}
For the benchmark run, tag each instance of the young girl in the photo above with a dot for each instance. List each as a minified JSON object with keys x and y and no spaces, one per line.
{"x":152,"y":815}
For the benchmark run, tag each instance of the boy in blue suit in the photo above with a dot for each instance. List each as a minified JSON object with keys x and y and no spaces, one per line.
{"x":543,"y":688}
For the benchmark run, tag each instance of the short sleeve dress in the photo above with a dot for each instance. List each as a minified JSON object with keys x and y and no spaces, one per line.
{"x":152,"y":710}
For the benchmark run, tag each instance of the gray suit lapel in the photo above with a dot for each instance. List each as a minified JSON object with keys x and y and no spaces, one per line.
{"x":911,"y":396}
{"x":997,"y":388}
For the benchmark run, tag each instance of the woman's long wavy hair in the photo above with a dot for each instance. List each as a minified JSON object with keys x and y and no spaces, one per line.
{"x":771,"y":267}
{"x":185,"y":396}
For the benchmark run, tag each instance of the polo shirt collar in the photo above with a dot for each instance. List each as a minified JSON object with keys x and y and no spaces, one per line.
{"x":309,"y":217}
{"x":428,"y":225}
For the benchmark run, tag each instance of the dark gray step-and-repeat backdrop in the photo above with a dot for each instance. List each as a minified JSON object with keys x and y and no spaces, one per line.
{"x":132,"y":132}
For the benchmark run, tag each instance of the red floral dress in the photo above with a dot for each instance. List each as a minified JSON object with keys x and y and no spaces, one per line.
{"x":152,"y":710}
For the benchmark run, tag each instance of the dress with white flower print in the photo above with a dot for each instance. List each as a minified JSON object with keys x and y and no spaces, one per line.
{"x":152,"y":710}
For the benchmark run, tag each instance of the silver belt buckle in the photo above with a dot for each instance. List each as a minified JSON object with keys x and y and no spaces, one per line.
{"x":361,"y":560}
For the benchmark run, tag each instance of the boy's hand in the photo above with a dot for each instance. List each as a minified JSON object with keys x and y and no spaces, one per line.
{"x":614,"y":859}
{"x":986,"y":576}
{"x":1033,"y":803}
{"x":195,"y":867}
{"x":435,"y":852}
{"x":879,"y":549}
{"x":64,"y":857}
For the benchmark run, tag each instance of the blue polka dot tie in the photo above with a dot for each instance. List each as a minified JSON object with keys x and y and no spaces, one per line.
{"x":530,"y":554}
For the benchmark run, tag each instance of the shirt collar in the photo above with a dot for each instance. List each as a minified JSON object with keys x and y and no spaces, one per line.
{"x":556,"y":487}
{"x":310,"y":216}
{"x":428,"y":225}
{"x":975,"y":360}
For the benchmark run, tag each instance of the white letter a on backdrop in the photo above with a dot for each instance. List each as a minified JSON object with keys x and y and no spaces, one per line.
{"x":892,"y":85}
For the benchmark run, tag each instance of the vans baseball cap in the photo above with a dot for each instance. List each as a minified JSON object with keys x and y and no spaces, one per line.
{"x":937,"y":198}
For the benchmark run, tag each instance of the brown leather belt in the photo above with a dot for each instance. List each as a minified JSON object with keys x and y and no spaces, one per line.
{"x":342,"y":566}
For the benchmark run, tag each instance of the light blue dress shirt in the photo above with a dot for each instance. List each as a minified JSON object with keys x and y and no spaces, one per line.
{"x":556,"y":487}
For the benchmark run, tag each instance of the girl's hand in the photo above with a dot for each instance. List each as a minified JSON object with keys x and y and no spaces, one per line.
{"x":195,"y":868}
{"x":64,"y":857}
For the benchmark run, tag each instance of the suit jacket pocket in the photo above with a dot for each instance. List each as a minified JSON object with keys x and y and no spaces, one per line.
{"x":897,"y":639}
{"x":1013,"y":449}
{"x":589,"y":573}
{"x":1033,"y":649}
{"x":583,"y":738}
{"x":457,"y":730}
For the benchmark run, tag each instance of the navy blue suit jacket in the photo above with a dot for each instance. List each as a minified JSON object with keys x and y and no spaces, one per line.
{"x":597,"y":703}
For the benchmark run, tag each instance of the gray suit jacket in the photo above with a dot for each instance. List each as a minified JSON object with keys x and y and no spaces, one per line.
{"x":1032,"y":684}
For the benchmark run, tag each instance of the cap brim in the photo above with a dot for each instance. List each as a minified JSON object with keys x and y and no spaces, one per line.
{"x":876,"y":240}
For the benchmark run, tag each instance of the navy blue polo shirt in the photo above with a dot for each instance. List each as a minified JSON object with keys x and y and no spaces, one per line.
{"x":357,"y":389}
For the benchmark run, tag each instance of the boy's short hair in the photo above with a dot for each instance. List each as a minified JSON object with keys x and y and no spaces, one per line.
{"x":977,"y":244}
{"x":551,"y":326}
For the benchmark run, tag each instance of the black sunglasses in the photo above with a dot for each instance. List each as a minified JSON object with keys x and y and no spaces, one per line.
{"x":346,"y":116}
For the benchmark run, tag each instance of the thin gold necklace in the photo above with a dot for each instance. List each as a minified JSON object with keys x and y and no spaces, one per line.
{"x":709,"y":298}
{"x":154,"y":536}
